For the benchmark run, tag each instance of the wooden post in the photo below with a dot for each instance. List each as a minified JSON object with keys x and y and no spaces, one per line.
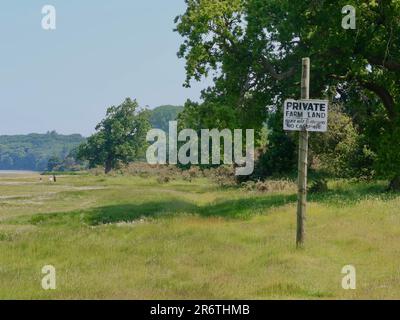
{"x":303,"y":160}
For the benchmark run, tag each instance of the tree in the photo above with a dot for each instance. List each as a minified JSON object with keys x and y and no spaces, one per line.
{"x":161,"y":116}
{"x":120,"y":137}
{"x":254,"y":49}
{"x":53,"y":162}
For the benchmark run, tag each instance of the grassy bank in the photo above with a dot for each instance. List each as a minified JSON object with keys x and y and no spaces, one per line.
{"x":133,"y":238}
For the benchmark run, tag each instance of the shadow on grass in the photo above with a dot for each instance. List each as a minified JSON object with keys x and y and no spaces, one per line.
{"x":352,"y":194}
{"x":345,"y":195}
{"x":245,"y":208}
{"x":231,"y":209}
{"x":129,"y":212}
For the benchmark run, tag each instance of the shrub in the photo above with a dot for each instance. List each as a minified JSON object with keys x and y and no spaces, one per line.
{"x":224,"y":176}
{"x":270,"y":186}
{"x":319,"y":185}
{"x":164,"y":179}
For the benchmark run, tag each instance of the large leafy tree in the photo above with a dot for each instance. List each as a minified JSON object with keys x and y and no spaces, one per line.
{"x":253,"y":48}
{"x":120,"y":137}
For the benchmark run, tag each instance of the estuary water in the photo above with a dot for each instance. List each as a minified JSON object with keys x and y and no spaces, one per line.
{"x":15,"y":172}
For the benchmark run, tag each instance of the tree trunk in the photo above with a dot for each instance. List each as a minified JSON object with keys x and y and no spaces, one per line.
{"x":395,"y":184}
{"x":107,"y":167}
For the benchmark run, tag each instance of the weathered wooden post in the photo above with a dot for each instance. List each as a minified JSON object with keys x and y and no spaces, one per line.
{"x":303,"y":159}
{"x":305,"y":116}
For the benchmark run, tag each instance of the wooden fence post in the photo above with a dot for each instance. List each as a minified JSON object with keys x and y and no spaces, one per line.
{"x":303,"y":160}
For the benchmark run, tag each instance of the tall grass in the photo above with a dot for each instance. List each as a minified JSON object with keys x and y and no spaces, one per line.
{"x":131,"y":237}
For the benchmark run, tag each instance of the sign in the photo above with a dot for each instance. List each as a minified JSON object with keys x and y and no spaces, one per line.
{"x":309,"y":115}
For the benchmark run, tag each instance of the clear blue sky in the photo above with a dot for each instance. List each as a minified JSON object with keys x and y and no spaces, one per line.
{"x":101,"y":52}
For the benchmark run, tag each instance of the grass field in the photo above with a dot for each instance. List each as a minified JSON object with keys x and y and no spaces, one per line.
{"x":132,"y":238}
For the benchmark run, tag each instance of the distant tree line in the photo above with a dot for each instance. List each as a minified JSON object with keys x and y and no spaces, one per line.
{"x":33,"y":151}
{"x":57,"y":152}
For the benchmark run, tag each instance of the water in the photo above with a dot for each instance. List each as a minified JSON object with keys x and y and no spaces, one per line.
{"x":13,"y":172}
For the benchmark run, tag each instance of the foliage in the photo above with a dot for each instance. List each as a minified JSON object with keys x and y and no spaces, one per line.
{"x":223,"y":176}
{"x":33,"y":151}
{"x":388,"y":146}
{"x":394,"y":184}
{"x":207,"y":115}
{"x":279,"y":155}
{"x":253,"y":48}
{"x":120,"y":137}
{"x":161,"y":116}
{"x":68,"y":164}
{"x":334,"y":152}
{"x":340,"y":152}
{"x":319,"y":185}
{"x":52,"y":163}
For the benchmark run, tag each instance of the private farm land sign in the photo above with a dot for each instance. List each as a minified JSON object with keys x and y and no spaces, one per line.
{"x":309,"y":115}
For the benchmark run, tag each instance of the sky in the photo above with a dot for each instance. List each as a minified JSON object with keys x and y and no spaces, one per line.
{"x":101,"y":52}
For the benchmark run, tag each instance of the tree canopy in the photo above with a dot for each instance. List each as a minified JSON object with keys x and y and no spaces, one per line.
{"x":253,"y":49}
{"x":120,"y":137}
{"x":162,"y":115}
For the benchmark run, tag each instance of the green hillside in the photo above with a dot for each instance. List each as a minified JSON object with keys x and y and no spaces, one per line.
{"x":32,"y":151}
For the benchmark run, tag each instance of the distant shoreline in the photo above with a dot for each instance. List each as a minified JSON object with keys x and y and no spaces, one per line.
{"x":4,"y":172}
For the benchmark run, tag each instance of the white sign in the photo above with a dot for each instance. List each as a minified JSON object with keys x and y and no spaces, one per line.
{"x":310,"y":115}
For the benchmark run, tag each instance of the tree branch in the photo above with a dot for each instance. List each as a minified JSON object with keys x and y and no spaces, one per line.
{"x":390,"y":64}
{"x":277,"y":76}
{"x":380,"y":91}
{"x":384,"y":95}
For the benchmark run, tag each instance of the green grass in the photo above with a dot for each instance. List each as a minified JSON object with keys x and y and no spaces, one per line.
{"x":132,"y":238}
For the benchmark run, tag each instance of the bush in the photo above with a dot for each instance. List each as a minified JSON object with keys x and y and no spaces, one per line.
{"x":224,"y":176}
{"x":163,"y":179}
{"x":270,"y":186}
{"x":339,"y":152}
{"x":319,"y":185}
{"x":333,"y":152}
{"x":97,"y":171}
{"x":279,"y":156}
